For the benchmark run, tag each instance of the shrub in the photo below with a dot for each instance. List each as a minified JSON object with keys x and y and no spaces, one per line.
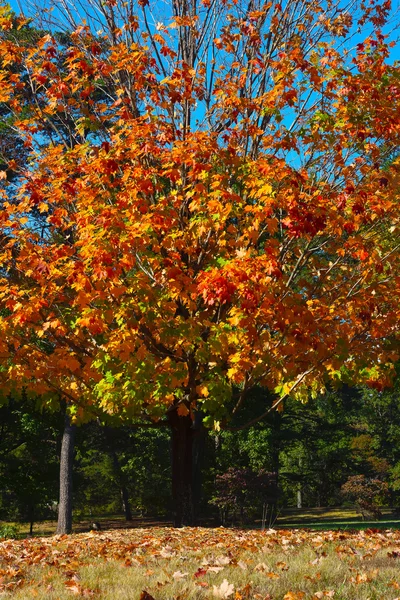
{"x":368,"y":494}
{"x":8,"y":531}
{"x":242,"y":493}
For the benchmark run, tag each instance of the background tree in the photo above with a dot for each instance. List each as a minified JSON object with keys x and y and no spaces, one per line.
{"x":29,"y":445}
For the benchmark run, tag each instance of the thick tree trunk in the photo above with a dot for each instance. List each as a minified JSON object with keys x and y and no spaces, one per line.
{"x":199,"y":445}
{"x":64,"y":524}
{"x":182,"y":468}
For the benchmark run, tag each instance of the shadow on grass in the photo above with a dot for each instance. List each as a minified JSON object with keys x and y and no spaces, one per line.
{"x":311,"y":519}
{"x":334,"y":519}
{"x":110,"y":523}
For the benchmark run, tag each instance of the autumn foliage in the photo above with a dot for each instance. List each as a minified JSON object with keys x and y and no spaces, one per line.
{"x":185,"y":229}
{"x":368,"y":494}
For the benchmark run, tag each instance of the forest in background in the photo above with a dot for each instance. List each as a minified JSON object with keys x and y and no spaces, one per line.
{"x":314,"y":449}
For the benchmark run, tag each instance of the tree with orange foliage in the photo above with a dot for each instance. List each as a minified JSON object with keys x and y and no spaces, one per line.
{"x":211,"y":205}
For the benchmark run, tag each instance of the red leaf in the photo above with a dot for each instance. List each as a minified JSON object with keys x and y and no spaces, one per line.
{"x":200,"y":572}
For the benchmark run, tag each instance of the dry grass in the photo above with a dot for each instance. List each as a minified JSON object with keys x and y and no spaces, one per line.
{"x":193,"y":563}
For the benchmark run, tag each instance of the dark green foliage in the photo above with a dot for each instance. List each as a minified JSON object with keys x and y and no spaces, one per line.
{"x":108,"y":459}
{"x":148,"y":468}
{"x":28,"y":462}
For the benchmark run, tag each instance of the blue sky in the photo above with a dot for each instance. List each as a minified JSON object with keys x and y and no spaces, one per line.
{"x":392,"y":29}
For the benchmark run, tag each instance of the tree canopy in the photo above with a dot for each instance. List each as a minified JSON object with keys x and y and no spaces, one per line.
{"x":210,"y":203}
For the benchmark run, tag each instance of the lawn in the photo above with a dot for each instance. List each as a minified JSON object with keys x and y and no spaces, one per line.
{"x":178,"y":564}
{"x":336,"y":518}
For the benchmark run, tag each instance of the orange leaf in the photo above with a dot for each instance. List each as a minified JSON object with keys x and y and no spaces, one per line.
{"x":182,"y":410}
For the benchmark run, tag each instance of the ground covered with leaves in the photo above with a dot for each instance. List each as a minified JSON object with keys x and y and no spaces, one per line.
{"x":177,"y":564}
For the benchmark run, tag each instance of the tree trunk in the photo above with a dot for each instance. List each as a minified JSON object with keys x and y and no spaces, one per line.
{"x":31,"y":511}
{"x":199,"y":444}
{"x":64,"y":524}
{"x":299,"y":487}
{"x":182,"y":468}
{"x":125,"y":503}
{"x":299,"y":496}
{"x":275,"y":452}
{"x":122,"y":485}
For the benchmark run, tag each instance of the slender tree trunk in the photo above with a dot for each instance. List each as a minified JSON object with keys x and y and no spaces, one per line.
{"x":122,"y":486}
{"x":299,"y":496}
{"x":31,"y":518}
{"x":299,"y":488}
{"x":182,"y":468}
{"x":64,"y":524}
{"x":126,"y":505}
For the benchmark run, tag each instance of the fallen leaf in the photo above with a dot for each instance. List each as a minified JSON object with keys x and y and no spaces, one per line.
{"x":146,"y":596}
{"x":179,"y":575}
{"x":223,"y":560}
{"x":200,"y":572}
{"x":261,"y":567}
{"x":225,"y":590}
{"x":167,"y":552}
{"x":73,"y":587}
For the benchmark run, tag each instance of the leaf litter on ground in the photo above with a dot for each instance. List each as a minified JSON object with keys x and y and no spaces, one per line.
{"x":176,"y":564}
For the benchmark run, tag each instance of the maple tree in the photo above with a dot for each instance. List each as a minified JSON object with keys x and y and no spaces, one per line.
{"x":210,"y":204}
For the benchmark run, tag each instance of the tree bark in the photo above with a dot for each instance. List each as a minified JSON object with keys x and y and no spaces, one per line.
{"x":122,"y":485}
{"x":125,"y":503}
{"x":182,"y":468}
{"x":199,"y":444}
{"x":64,"y":524}
{"x":299,"y":488}
{"x":118,"y":472}
{"x":299,"y":496}
{"x":31,"y":512}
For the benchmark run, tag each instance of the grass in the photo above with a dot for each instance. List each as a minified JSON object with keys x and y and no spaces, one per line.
{"x":111,"y":522}
{"x":336,"y":518}
{"x":313,"y":518}
{"x":199,"y":563}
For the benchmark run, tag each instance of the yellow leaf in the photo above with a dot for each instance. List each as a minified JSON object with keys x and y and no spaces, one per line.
{"x":202,"y":390}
